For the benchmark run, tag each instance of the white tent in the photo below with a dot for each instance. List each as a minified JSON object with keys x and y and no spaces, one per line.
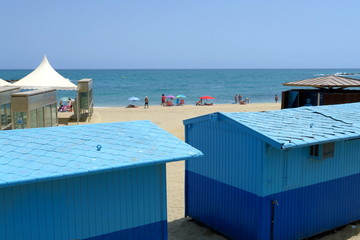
{"x":44,"y":76}
{"x":4,"y":83}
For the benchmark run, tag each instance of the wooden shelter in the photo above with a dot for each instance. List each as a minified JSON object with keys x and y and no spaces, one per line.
{"x":328,"y":90}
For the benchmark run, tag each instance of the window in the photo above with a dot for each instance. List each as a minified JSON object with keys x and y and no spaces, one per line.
{"x":20,"y":120}
{"x":33,"y":119}
{"x":323,"y":151}
{"x":314,"y":151}
{"x":47,"y":115}
{"x":328,"y":150}
{"x":40,"y":116}
{"x":3,"y":117}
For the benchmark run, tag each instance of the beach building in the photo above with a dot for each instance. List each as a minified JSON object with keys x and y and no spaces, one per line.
{"x":286,"y":174}
{"x":45,"y":77}
{"x":85,"y":96}
{"x":327,"y":90}
{"x":5,"y":106}
{"x":34,"y":109}
{"x":98,"y":181}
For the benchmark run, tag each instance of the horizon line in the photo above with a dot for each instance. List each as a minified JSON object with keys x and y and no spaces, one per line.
{"x":300,"y":68}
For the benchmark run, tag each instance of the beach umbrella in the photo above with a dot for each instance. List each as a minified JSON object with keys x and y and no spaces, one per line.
{"x":180,"y":96}
{"x":133,"y":99}
{"x":66,"y":99}
{"x":170,"y":96}
{"x":207,"y":97}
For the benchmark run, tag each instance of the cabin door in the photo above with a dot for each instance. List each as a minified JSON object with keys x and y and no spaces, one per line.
{"x":293,"y":168}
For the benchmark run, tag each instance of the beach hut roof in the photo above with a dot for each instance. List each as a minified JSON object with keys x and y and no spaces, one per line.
{"x":296,"y":127}
{"x":4,"y":83}
{"x":326,"y":82}
{"x":61,"y":152}
{"x":44,"y":76}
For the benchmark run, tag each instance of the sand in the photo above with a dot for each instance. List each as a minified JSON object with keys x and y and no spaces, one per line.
{"x":170,"y":119}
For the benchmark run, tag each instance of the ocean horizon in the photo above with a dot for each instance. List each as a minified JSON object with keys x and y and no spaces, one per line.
{"x":112,"y":87}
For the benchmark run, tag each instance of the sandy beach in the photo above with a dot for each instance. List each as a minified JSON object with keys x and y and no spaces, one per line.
{"x":170,"y":119}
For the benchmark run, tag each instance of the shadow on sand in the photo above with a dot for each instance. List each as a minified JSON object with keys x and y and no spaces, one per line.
{"x":187,"y":229}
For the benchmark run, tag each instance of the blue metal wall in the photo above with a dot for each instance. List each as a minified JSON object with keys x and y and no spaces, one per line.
{"x":294,"y":168}
{"x":222,"y":188}
{"x":128,"y":204}
{"x":298,"y":213}
{"x":307,"y":211}
{"x":227,"y":144}
{"x":243,"y":184}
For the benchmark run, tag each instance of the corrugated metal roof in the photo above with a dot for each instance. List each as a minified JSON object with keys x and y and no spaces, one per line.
{"x":327,"y":81}
{"x":295,"y":127}
{"x":38,"y":154}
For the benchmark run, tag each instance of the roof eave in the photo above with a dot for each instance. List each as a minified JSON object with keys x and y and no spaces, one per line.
{"x":287,"y":147}
{"x":45,"y":87}
{"x":320,"y":86}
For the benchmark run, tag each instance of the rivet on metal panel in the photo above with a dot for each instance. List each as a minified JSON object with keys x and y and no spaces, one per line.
{"x":98,"y":147}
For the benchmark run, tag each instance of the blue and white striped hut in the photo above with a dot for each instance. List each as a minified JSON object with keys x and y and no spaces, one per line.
{"x":100,"y":181}
{"x":286,"y":174}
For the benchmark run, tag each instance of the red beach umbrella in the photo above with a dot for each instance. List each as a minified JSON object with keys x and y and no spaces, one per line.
{"x":207,"y":97}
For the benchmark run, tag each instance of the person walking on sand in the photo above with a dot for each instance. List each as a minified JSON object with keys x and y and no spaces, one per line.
{"x":236,"y":98}
{"x":163,"y":99}
{"x":146,"y":100}
{"x":276,"y":98}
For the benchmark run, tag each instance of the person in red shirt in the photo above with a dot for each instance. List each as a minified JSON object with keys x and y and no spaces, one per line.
{"x":163,"y":99}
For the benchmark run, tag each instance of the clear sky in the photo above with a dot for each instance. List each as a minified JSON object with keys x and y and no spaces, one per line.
{"x":117,"y":34}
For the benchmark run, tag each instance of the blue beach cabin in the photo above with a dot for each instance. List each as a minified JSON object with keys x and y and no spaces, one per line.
{"x":286,"y":174}
{"x":99,"y":181}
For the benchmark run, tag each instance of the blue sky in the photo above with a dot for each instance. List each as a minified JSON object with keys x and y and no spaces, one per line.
{"x":116,"y":34}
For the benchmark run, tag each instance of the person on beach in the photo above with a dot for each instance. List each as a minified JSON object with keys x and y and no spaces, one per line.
{"x":146,"y":100}
{"x":60,"y":109}
{"x":163,"y":99}
{"x":276,"y":98}
{"x":239,"y":98}
{"x":236,"y":98}
{"x":70,"y":105}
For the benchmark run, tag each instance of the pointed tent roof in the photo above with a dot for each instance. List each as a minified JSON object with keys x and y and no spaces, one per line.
{"x":327,"y":81}
{"x":44,"y":76}
{"x":4,"y":83}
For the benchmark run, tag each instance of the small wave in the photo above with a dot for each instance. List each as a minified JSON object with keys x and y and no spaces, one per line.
{"x":346,"y":74}
{"x":337,"y":74}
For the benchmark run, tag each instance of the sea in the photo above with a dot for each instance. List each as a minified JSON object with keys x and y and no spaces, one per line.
{"x":113,"y":88}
